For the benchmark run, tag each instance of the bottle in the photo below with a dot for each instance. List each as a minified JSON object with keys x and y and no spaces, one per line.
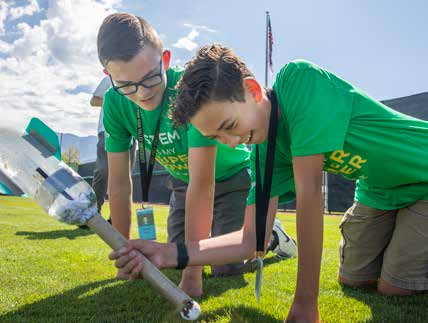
{"x":29,"y":162}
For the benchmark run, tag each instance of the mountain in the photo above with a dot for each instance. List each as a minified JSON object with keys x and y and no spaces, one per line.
{"x":86,"y":145}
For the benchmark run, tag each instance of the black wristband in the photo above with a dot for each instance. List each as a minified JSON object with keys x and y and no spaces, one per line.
{"x":182,"y":256}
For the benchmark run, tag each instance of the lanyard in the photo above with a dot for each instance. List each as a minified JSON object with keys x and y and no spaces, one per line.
{"x":146,"y":170}
{"x":263,"y":194}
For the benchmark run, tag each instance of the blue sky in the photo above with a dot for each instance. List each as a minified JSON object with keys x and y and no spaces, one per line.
{"x":49,"y":66}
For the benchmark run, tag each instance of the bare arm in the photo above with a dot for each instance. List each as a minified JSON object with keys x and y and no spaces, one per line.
{"x":120,"y":191}
{"x":235,"y":246}
{"x":200,"y":193}
{"x":96,"y":101}
{"x":309,"y":221}
{"x":228,"y":248}
{"x":199,"y":199}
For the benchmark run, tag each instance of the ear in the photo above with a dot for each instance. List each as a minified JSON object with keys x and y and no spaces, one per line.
{"x":166,"y":57}
{"x":254,"y":88}
{"x":106,"y":72}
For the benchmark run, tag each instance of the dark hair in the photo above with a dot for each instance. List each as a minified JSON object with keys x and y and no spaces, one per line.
{"x":215,"y":73}
{"x":122,"y":36}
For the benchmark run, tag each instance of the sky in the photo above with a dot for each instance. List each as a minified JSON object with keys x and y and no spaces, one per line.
{"x":49,"y":65}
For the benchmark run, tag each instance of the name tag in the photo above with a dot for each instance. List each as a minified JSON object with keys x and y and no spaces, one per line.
{"x":146,"y":224}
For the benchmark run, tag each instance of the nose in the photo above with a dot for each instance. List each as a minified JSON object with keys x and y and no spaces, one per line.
{"x":142,"y":92}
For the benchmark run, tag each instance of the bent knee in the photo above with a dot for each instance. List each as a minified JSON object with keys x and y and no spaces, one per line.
{"x":354,"y":283}
{"x":390,"y":290}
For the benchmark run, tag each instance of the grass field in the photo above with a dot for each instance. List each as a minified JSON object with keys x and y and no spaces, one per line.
{"x":52,"y":272}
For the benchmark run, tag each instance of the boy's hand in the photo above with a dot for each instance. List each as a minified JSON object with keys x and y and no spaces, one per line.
{"x":303,"y":313}
{"x":191,"y":287}
{"x":129,"y":260}
{"x":125,"y":276}
{"x":191,"y":281}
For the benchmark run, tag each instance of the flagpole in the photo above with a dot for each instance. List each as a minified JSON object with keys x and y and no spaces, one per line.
{"x":267,"y":49}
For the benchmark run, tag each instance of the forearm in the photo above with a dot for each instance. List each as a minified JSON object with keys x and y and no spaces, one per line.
{"x":309,"y":221}
{"x":225,"y":249}
{"x":199,"y":212}
{"x":228,"y":248}
{"x":121,"y":208}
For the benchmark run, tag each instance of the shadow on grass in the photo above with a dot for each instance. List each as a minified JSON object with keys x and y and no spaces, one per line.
{"x":55,"y":234}
{"x":391,"y":308}
{"x":103,"y":301}
{"x":216,"y":285}
{"x":239,"y":314}
{"x":118,"y":301}
{"x":273,"y":260}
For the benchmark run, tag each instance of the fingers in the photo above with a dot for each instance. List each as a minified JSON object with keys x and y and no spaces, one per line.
{"x":142,"y":245}
{"x":130,"y":266}
{"x":129,"y":260}
{"x":146,"y":247}
{"x":138,"y":244}
{"x":128,"y":263}
{"x":115,"y":254}
{"x":121,"y":275}
{"x":136,"y":272}
{"x":124,"y":259}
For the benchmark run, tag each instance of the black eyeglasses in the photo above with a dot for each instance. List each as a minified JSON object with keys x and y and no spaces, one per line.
{"x":147,"y":82}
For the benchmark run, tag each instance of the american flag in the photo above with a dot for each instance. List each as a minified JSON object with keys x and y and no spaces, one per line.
{"x":270,"y":40}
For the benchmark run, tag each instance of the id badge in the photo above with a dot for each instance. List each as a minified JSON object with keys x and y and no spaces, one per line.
{"x":146,"y":223}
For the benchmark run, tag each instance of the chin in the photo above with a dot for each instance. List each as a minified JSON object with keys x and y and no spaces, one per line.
{"x":153,"y":104}
{"x":259,"y":139}
{"x":146,"y":106}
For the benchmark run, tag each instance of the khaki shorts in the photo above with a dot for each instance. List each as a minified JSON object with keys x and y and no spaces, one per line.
{"x":389,"y":244}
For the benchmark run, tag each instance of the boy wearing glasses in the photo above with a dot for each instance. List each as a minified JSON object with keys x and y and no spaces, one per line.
{"x":209,"y":181}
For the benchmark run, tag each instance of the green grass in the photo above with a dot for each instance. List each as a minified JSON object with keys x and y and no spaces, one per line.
{"x":52,"y":272}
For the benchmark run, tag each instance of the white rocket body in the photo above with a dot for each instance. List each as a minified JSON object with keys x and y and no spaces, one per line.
{"x":29,"y":163}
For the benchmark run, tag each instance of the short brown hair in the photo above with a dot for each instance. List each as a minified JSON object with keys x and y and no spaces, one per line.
{"x":215,"y":73}
{"x":122,"y":36}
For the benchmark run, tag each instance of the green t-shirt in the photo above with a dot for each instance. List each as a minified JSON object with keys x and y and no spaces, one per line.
{"x":384,"y":150}
{"x":120,"y":122}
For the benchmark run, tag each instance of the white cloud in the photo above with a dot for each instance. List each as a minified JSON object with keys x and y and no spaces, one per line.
{"x":31,"y":8}
{"x":47,"y":61}
{"x":188,"y":42}
{"x":3,"y":15}
{"x":200,"y":27}
{"x":185,"y":43}
{"x":5,"y":47}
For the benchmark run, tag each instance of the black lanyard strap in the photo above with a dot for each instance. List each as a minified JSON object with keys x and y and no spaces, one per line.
{"x":146,"y":171}
{"x":263,"y":195}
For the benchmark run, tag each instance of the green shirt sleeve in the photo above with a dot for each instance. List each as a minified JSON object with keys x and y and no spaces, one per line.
{"x":196,"y":139}
{"x":118,"y":138}
{"x":317,"y":106}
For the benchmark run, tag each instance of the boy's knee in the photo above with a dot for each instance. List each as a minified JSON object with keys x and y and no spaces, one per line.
{"x":390,"y":290}
{"x":353,"y":283}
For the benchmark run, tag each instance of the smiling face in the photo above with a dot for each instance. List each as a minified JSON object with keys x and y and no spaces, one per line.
{"x":141,"y":67}
{"x":235,"y":123}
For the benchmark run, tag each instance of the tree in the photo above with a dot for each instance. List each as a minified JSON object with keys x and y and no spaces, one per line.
{"x":71,"y":155}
